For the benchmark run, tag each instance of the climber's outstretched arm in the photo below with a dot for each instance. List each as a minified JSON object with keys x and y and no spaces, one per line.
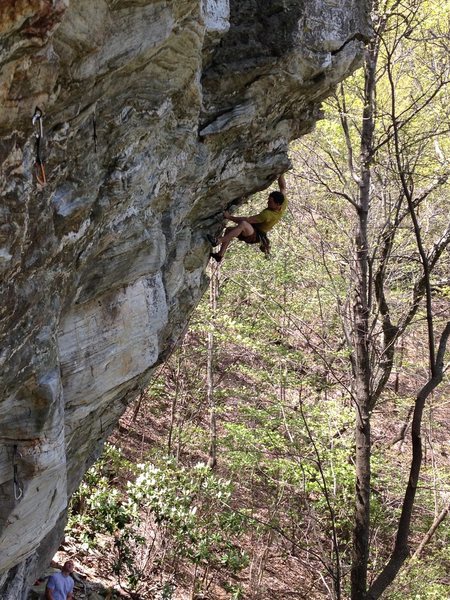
{"x":252,"y":219}
{"x":282,"y":184}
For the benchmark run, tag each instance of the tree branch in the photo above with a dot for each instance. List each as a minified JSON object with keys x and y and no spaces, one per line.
{"x":401,"y":548}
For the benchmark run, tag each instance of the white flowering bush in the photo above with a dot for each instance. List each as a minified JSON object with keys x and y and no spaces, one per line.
{"x":193,"y":506}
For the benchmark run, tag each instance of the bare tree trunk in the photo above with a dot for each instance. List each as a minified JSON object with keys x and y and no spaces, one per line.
{"x":173,"y":408}
{"x":138,"y":406}
{"x":361,"y":355}
{"x":194,"y":582}
{"x":213,"y":288}
{"x":361,"y":393}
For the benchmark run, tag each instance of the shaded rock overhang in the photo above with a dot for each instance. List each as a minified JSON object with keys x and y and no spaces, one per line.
{"x":156,"y":115}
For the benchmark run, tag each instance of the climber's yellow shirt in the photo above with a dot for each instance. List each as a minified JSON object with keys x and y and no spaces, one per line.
{"x":269,"y":218}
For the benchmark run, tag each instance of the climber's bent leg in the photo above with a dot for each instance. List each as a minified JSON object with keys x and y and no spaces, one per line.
{"x":243,"y":231}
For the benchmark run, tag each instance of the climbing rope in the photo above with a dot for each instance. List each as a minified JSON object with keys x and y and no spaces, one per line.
{"x":39,"y":166}
{"x":18,"y":489}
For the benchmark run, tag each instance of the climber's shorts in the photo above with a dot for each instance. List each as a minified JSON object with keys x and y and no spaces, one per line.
{"x":257,"y":237}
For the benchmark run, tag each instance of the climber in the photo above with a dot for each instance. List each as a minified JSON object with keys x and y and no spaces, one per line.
{"x":253,"y":230}
{"x":60,"y":585}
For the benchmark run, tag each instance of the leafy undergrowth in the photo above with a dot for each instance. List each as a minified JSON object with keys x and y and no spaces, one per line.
{"x":195,"y":536}
{"x":154,"y":522}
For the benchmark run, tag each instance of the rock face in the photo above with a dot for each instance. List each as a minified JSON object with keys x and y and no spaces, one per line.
{"x":157,"y":114}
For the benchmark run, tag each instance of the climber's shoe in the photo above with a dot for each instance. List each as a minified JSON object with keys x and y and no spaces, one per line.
{"x":216,"y":256}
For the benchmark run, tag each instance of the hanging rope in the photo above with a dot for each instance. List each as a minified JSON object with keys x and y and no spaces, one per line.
{"x":18,"y":489}
{"x":39,"y":166}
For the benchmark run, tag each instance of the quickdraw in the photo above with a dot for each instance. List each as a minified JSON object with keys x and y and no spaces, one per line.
{"x":94,"y":130}
{"x":39,"y":166}
{"x":18,"y":489}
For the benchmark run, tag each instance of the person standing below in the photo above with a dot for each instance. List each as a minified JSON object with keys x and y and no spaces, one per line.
{"x":60,"y":585}
{"x":253,"y":230}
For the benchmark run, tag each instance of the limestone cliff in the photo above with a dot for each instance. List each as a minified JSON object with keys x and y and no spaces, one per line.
{"x":156,"y":115}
